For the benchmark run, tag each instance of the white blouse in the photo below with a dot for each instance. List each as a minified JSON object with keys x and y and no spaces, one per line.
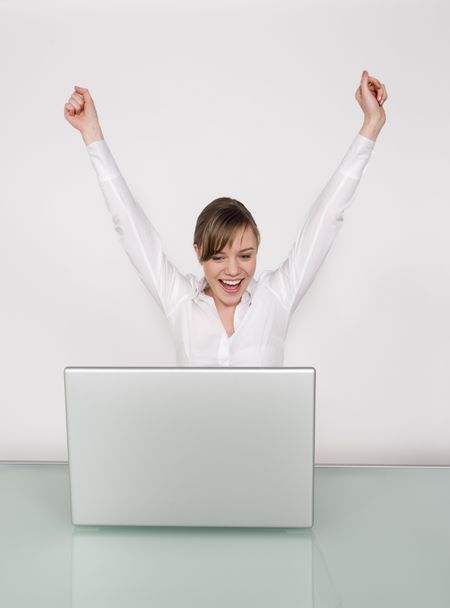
{"x":262,"y":316}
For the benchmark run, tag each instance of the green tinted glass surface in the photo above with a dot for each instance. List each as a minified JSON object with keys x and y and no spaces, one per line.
{"x":381,"y":537}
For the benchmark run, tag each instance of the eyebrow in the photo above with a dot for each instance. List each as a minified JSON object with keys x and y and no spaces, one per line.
{"x":248,"y":249}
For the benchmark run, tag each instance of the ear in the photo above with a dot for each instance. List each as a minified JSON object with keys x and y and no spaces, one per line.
{"x":197,"y":251}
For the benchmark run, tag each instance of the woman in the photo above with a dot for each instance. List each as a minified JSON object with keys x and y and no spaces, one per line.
{"x":228,"y":318}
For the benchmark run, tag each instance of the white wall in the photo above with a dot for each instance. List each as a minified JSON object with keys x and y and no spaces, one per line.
{"x":248,"y":99}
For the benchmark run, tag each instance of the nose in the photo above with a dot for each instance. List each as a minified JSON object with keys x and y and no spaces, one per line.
{"x":233,"y":267}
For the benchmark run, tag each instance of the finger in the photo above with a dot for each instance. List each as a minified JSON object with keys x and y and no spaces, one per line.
{"x":84,"y":92}
{"x":380,"y":93}
{"x":375,"y":85}
{"x":74,"y":101}
{"x":70,"y":109}
{"x":78,"y":97}
{"x":377,"y":90}
{"x":76,"y":104}
{"x":374,"y":80}
{"x":372,"y":83}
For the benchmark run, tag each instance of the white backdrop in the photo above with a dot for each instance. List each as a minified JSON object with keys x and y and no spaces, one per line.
{"x":248,"y":99}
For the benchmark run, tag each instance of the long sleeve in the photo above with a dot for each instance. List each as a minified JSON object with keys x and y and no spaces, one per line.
{"x":291,"y":280}
{"x":137,"y":234}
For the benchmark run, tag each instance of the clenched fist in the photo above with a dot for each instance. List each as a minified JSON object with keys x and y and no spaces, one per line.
{"x":80,"y":112}
{"x":371,"y":95}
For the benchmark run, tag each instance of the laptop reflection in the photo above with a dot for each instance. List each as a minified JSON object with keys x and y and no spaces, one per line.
{"x":198,"y":567}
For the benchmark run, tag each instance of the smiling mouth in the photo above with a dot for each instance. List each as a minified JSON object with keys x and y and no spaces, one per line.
{"x":231,"y":288}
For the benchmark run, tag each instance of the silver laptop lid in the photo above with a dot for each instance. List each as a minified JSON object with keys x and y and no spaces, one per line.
{"x":211,"y":446}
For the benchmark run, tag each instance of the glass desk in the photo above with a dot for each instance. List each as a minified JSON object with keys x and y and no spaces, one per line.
{"x":381,"y":538}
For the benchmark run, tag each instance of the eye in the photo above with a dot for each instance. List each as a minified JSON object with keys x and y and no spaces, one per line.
{"x":218,"y":258}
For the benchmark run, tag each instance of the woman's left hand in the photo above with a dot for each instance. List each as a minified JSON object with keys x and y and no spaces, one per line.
{"x":371,"y":95}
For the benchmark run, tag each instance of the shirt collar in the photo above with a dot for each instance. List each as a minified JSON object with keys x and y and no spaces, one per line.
{"x":246,"y":296}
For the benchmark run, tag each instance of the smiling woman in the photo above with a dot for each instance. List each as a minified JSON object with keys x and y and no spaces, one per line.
{"x":227,"y":317}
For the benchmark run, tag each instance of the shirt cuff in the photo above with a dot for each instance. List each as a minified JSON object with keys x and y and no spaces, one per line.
{"x":102,"y":160}
{"x":354,"y":163}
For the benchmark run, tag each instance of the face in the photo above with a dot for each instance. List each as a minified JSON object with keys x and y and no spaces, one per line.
{"x":231,"y":264}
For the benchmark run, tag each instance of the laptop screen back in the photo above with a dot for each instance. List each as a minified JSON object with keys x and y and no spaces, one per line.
{"x":191,"y":446}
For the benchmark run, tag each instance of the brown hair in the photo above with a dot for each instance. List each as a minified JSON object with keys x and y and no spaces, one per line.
{"x":218,"y":223}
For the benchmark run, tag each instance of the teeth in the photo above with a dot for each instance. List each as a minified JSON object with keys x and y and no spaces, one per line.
{"x":231,"y":282}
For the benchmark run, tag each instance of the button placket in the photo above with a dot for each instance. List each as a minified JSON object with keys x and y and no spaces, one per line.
{"x":224,"y":350}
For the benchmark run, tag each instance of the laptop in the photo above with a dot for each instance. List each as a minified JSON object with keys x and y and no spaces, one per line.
{"x":191,"y":446}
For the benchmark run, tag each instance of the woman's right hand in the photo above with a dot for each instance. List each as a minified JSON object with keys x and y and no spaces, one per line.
{"x":80,"y":112}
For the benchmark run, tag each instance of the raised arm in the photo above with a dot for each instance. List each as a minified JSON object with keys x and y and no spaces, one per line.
{"x":138,"y":236}
{"x":291,"y":280}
